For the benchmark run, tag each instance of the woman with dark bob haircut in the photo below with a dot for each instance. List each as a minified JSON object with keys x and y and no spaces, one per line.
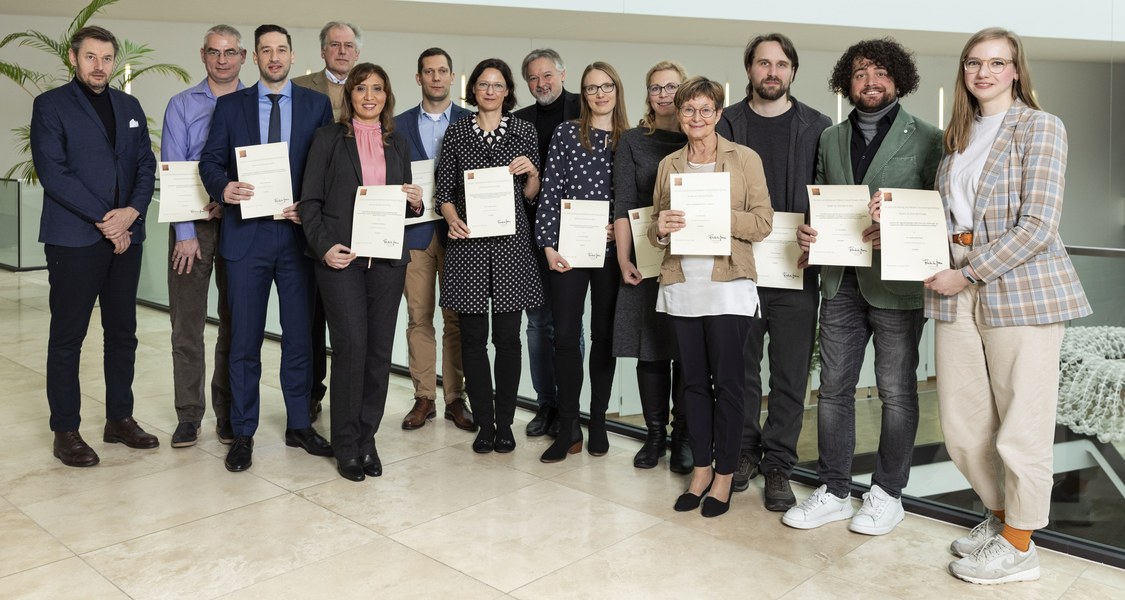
{"x":496,"y":275}
{"x":361,"y":294}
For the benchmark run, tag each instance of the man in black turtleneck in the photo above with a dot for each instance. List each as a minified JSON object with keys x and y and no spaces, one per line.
{"x":880,"y":145}
{"x":94,"y":158}
{"x":545,"y":73}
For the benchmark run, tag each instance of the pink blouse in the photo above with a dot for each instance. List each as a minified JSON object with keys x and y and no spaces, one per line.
{"x":372,"y":160}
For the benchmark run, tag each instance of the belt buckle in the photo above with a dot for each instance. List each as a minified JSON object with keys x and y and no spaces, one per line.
{"x":965,"y":238}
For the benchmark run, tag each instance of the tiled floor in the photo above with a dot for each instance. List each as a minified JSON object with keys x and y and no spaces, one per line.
{"x":441,"y":523}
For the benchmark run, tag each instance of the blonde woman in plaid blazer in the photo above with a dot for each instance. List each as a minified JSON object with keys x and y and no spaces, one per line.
{"x":1001,"y":308}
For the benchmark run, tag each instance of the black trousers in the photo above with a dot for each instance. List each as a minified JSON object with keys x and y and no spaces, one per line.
{"x":478,"y":372}
{"x":568,"y":303}
{"x":361,"y":305}
{"x":712,"y":351}
{"x":78,"y":277}
{"x":789,"y":317}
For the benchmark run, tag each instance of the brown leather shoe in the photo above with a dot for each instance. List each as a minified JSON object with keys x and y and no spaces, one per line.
{"x":457,"y":412}
{"x":423,"y":410}
{"x":126,"y":431}
{"x":73,"y":451}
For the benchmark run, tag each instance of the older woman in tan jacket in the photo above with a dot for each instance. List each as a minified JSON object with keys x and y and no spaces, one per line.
{"x":711,"y":299}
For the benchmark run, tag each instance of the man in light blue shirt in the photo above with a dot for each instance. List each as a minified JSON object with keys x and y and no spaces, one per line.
{"x":424,"y":126}
{"x":194,"y":255}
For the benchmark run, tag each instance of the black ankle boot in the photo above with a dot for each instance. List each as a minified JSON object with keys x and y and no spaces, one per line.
{"x":654,"y":447}
{"x":598,"y":444}
{"x":681,"y":460}
{"x":569,"y":441}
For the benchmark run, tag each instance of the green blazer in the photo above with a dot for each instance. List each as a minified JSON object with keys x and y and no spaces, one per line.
{"x":907,"y":158}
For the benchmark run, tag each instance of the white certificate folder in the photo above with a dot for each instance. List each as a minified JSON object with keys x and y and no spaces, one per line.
{"x":705,"y":200}
{"x":378,"y":221}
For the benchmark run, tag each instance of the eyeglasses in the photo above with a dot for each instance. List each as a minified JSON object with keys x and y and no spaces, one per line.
{"x":485,"y":86}
{"x":606,"y":88}
{"x":996,"y":65}
{"x":670,"y":88}
{"x":704,"y":113}
{"x":228,"y":53}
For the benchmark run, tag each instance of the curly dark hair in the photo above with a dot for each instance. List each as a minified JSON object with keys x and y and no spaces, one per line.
{"x":887,"y":53}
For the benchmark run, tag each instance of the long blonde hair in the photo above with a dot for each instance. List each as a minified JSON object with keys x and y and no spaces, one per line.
{"x":965,"y":105}
{"x":649,"y":120}
{"x":586,"y":117}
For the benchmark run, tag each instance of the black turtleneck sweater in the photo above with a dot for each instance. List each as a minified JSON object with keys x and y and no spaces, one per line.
{"x":103,"y":108}
{"x":547,"y":118}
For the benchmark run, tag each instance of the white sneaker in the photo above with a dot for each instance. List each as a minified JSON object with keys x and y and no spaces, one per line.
{"x":879,"y":514}
{"x":819,"y":508}
{"x":966,"y":545}
{"x":997,"y":561}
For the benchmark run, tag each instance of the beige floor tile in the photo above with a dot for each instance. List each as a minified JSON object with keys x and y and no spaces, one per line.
{"x":26,"y":407}
{"x":826,"y":586}
{"x":228,"y":551}
{"x":1105,"y":575}
{"x":29,"y":472}
{"x":1085,"y":589}
{"x":528,"y":450}
{"x":911,"y":564}
{"x":417,"y":490}
{"x":381,"y":569}
{"x":615,"y":478}
{"x":396,"y":443}
{"x":749,"y":524}
{"x":26,"y":544}
{"x":101,"y":517}
{"x":668,"y":561}
{"x":290,"y":468}
{"x":947,"y":532}
{"x":514,"y":539}
{"x":70,"y":578}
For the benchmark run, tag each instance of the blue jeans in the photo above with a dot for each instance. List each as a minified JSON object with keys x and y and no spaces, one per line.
{"x":847,"y":322}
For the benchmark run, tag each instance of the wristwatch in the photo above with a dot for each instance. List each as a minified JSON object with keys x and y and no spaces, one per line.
{"x":968,"y":275}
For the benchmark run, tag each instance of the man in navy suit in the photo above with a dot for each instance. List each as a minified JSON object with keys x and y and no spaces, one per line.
{"x":262,"y":251}
{"x":424,"y":127}
{"x":92,"y":151}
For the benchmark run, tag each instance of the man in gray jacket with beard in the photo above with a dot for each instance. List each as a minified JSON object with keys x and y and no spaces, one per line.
{"x":785,"y":133}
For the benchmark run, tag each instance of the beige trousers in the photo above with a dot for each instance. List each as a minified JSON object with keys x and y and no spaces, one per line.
{"x":421,"y":279}
{"x":997,"y":392}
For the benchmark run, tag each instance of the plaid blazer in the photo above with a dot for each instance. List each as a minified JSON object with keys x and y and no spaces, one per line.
{"x":1026,"y":275}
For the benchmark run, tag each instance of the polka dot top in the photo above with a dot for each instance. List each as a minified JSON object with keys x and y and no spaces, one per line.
{"x":572,"y":172}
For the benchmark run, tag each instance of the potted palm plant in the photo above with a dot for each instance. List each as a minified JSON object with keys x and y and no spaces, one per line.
{"x":132,"y":62}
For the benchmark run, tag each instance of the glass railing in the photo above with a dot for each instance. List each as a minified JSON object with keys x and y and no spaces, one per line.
{"x":20,"y":207}
{"x":1088,"y":498}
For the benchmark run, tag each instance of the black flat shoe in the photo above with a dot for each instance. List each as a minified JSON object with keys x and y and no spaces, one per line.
{"x":371,"y":464}
{"x":309,"y":440}
{"x":350,"y":469}
{"x":504,"y":441}
{"x":689,"y":501}
{"x":714,"y":508}
{"x":484,"y":442}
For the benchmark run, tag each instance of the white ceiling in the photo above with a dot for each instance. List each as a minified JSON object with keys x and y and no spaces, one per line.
{"x":467,"y":19}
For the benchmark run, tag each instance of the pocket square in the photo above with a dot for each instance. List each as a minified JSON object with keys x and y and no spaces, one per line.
{"x":133,"y":124}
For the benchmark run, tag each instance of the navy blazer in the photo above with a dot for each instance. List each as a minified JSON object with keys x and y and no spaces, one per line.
{"x":418,"y":236}
{"x":334,"y":172}
{"x":234,"y":124}
{"x":81,"y":173}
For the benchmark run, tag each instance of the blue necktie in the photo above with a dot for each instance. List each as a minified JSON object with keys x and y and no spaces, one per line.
{"x":274,"y":134}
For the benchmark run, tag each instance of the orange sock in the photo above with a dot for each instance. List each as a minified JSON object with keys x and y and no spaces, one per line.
{"x":1019,"y":538}
{"x":999,"y":515}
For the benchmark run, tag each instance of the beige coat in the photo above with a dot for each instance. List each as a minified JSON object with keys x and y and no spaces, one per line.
{"x":751,"y":217}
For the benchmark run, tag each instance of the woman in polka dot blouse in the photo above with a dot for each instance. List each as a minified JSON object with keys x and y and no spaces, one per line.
{"x":580,"y":166}
{"x":489,"y":274}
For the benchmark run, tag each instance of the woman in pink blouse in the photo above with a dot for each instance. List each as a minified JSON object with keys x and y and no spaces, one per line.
{"x":361,"y":294}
